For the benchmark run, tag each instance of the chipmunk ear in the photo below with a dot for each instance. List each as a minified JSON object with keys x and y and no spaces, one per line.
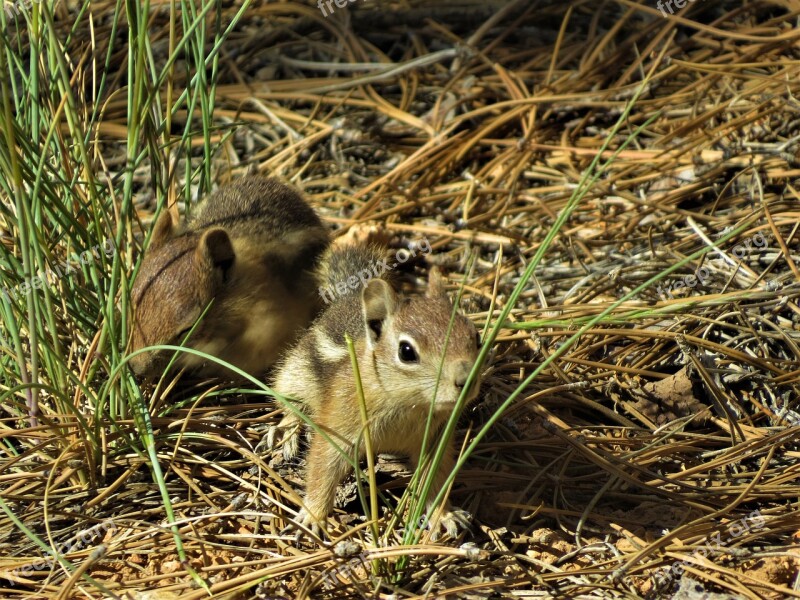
{"x":379,"y":301}
{"x":163,"y":229}
{"x":216,"y":251}
{"x":436,"y":284}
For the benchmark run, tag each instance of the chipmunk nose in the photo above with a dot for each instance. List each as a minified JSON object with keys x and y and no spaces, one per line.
{"x":462,"y":370}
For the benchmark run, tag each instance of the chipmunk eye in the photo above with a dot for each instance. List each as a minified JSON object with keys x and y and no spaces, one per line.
{"x":407,"y":353}
{"x":477,"y":339}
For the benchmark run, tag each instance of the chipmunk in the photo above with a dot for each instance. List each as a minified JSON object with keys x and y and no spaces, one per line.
{"x":251,"y":252}
{"x":399,"y":343}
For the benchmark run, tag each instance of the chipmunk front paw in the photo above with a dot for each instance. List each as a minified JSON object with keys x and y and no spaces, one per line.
{"x":287,"y":434}
{"x":452,"y":522}
{"x":305,"y":520}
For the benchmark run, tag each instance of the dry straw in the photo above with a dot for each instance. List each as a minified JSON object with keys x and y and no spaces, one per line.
{"x":469,"y":124}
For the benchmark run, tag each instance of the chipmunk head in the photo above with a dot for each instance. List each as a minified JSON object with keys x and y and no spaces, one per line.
{"x":409,"y":339}
{"x":179,"y":277}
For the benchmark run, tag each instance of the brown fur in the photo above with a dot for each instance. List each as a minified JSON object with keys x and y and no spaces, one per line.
{"x":251,"y":253}
{"x":317,"y":372}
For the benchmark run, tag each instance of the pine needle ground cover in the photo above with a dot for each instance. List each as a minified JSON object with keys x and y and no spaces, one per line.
{"x":612,"y":188}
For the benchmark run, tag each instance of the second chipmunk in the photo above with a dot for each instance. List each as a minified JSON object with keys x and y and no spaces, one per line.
{"x":400,"y":344}
{"x":245,"y":266}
